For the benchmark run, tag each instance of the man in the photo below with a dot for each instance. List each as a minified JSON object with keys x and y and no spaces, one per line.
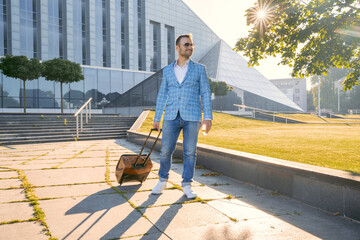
{"x":184,"y":81}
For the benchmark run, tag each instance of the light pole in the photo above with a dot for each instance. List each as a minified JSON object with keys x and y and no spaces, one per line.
{"x":319,"y":109}
{"x":338,"y":85}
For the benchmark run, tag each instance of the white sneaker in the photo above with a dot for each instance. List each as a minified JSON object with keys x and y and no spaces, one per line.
{"x":159,"y":188}
{"x":188,"y":192}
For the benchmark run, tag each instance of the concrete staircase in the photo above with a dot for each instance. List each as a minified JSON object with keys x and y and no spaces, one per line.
{"x":38,"y":128}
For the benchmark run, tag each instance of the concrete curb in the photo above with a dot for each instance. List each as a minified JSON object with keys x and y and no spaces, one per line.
{"x":334,"y":191}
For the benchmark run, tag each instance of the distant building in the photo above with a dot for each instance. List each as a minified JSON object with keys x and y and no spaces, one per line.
{"x":294,"y":89}
{"x":119,"y":44}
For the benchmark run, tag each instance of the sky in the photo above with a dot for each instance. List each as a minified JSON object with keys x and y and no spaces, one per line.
{"x":227,"y":19}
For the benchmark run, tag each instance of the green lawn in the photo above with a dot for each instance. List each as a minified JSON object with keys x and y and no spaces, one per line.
{"x":328,"y":145}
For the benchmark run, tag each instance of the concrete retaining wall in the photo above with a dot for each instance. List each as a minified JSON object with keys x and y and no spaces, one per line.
{"x":334,"y":191}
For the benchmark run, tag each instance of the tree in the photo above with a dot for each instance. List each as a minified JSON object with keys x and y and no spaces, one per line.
{"x":310,"y":102}
{"x":310,"y":36}
{"x":219,"y":89}
{"x":62,"y":71}
{"x":22,"y":68}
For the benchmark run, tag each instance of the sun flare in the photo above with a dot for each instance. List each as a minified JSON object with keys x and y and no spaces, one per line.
{"x":261,"y":14}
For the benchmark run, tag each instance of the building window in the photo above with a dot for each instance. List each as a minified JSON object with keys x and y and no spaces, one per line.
{"x":102,"y":57}
{"x":105,"y":34}
{"x":297,"y":99}
{"x":124,"y":34}
{"x":141,"y":34}
{"x":77,"y":27}
{"x":56,"y":38}
{"x":29,"y":40}
{"x":297,"y":90}
{"x":170,"y":43}
{"x":85,"y":44}
{"x":155,"y":62}
{"x":3,"y":28}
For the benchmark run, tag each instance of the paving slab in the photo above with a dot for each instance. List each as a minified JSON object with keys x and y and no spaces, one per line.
{"x":65,"y":176}
{"x":12,"y":195}
{"x":25,"y":230}
{"x":228,"y":231}
{"x":231,"y":186}
{"x":15,"y":211}
{"x":9,"y":183}
{"x":146,"y":199}
{"x":182,"y":216}
{"x":133,"y":187}
{"x":9,"y":174}
{"x":85,"y":162}
{"x":73,"y":190}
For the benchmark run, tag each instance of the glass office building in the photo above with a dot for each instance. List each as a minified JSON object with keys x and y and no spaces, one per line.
{"x":119,"y":44}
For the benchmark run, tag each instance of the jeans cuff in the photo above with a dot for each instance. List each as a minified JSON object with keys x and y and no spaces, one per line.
{"x":184,"y":184}
{"x":163,"y":179}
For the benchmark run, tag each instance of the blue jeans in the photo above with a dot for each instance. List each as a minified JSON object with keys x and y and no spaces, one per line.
{"x":171,"y":131}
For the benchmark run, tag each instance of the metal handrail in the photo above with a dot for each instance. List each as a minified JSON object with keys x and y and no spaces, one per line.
{"x":263,"y":110}
{"x":87,"y":106}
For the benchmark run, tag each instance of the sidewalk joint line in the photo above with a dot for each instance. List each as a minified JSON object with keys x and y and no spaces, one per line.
{"x":42,"y":155}
{"x":75,"y":155}
{"x":38,"y":212}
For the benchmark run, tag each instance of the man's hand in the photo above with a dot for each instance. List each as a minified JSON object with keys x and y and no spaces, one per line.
{"x":157,"y":125}
{"x":208,"y":124}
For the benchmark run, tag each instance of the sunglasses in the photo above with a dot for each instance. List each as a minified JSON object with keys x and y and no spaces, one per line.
{"x":189,"y":44}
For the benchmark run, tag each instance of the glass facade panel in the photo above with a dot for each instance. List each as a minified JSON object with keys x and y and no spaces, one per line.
{"x":28,"y":29}
{"x":170,"y":43}
{"x":143,"y":94}
{"x":104,"y":86}
{"x":155,"y":60}
{"x":84,"y":32}
{"x":55,"y":29}
{"x":77,"y":27}
{"x":11,"y":102}
{"x":47,"y":94}
{"x":99,"y":32}
{"x":74,"y":96}
{"x":141,"y":35}
{"x":128,"y":80}
{"x":122,"y":34}
{"x":116,"y":85}
{"x":125,"y":34}
{"x":11,"y":86}
{"x":91,"y":87}
{"x":3,"y":28}
{"x":101,"y":23}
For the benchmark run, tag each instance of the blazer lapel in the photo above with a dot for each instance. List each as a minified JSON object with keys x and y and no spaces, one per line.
{"x":188,"y":72}
{"x":173,"y":72}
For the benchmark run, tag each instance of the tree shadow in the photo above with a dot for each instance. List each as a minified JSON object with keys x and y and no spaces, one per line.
{"x":92,"y":205}
{"x":164,"y":220}
{"x":155,"y":231}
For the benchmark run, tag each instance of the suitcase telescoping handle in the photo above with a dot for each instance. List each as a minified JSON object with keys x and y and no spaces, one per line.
{"x":152,"y":148}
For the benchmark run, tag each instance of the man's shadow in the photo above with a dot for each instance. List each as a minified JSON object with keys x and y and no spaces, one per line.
{"x":98,"y":202}
{"x":157,"y":229}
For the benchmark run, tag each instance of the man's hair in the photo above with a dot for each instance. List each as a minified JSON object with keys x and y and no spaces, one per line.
{"x":177,"y":42}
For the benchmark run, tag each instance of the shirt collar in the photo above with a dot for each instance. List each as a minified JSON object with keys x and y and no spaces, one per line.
{"x":185,"y":65}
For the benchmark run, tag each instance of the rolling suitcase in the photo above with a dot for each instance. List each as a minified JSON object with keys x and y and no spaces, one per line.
{"x":132,"y":167}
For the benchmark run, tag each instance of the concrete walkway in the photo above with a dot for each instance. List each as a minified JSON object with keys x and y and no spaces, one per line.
{"x":73,"y":193}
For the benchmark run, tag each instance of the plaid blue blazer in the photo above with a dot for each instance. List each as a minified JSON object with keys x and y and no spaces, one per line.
{"x":174,"y":97}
